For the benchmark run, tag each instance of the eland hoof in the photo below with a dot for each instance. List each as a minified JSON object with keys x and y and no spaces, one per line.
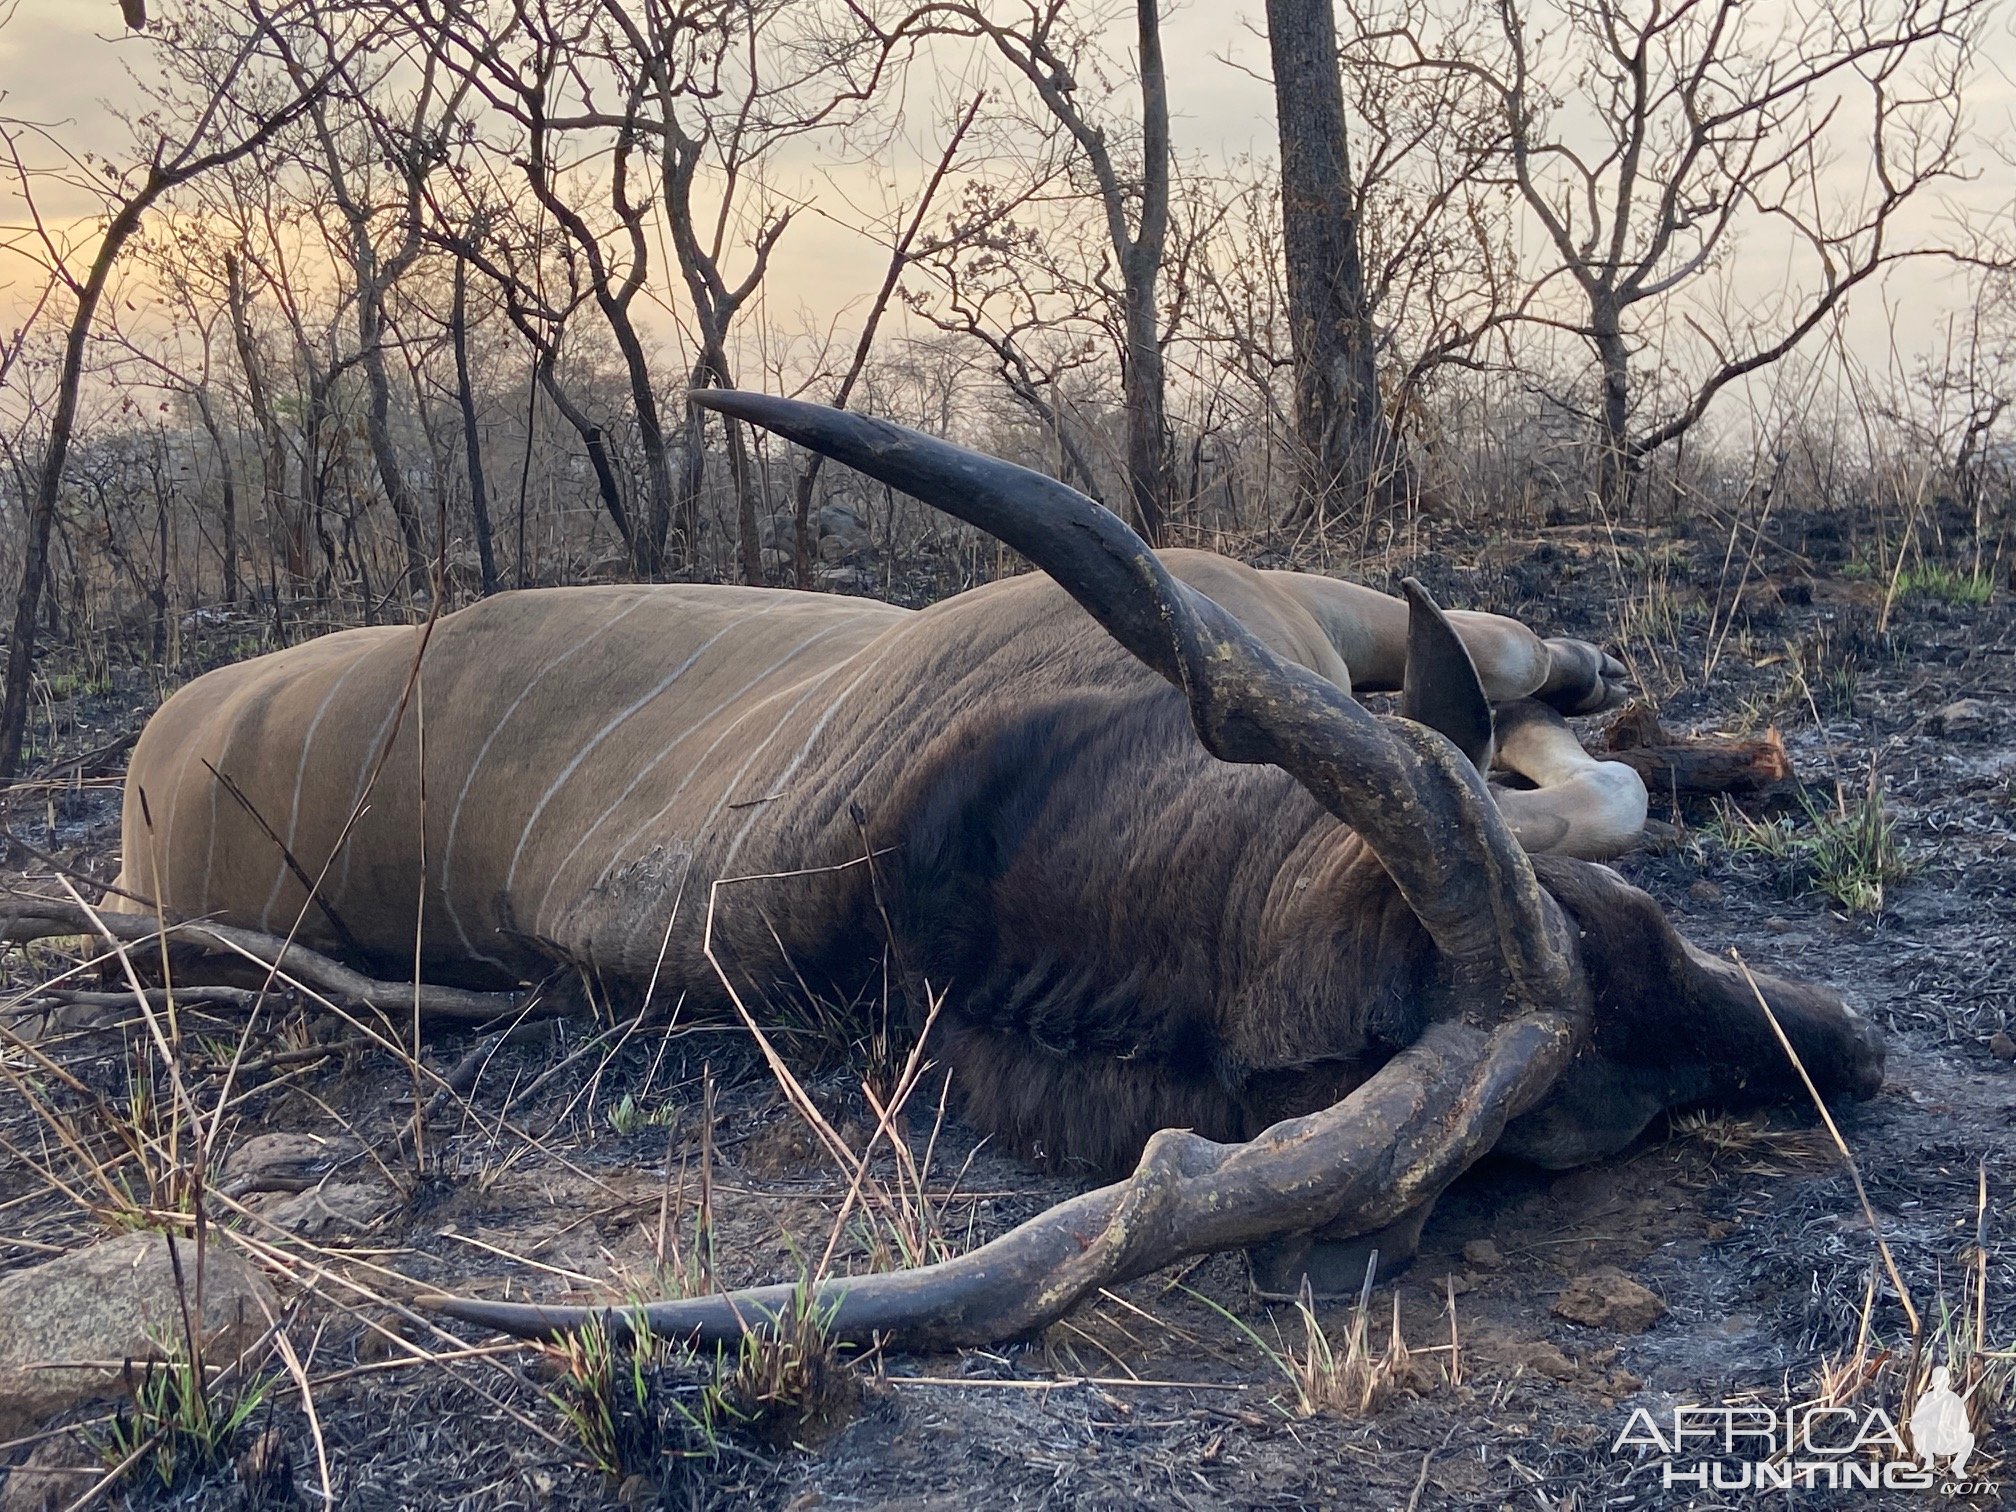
{"x":1333,"y":1267}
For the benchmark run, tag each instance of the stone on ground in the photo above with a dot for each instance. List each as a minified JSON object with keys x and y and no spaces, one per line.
{"x":93,"y":1309}
{"x":1607,"y":1298}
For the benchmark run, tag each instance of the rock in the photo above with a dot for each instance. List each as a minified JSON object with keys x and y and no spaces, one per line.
{"x":113,"y":1302}
{"x":329,"y":1209}
{"x":1484,"y":1252}
{"x":285,"y":1162}
{"x":844,"y":579}
{"x":1963,"y":719}
{"x":777,"y":560}
{"x":1607,"y":1298}
{"x":778,"y":531}
{"x":843,"y":535}
{"x":291,"y":1181}
{"x":840,"y":519}
{"x":1543,"y":1358}
{"x":2002,"y":1047}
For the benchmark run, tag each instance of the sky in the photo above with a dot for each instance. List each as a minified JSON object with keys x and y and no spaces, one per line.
{"x":62,"y":62}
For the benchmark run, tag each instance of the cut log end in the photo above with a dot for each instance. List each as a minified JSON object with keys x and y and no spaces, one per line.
{"x":1696,"y":766}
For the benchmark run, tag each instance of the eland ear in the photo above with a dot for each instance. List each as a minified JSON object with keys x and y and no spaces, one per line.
{"x":1442,"y":689}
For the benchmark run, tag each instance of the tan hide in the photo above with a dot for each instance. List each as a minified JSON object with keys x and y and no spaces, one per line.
{"x":575,"y":767}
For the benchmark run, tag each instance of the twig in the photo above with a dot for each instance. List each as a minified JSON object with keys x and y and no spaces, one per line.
{"x":39,"y":919}
{"x":1421,"y":1480}
{"x":1847,"y":1155}
{"x":343,"y":935}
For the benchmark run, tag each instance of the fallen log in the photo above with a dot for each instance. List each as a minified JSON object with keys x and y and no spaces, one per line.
{"x":1695,"y":766}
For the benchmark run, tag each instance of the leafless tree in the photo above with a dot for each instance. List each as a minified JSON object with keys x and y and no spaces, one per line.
{"x":541,"y":68}
{"x":184,"y":362}
{"x":362,"y":134}
{"x":170,"y":154}
{"x":900,"y":257}
{"x":1700,"y":122}
{"x":1041,"y":45}
{"x":472,"y":436}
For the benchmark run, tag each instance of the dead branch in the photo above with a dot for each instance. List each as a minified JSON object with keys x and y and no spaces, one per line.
{"x":28,"y":919}
{"x":1695,"y":766}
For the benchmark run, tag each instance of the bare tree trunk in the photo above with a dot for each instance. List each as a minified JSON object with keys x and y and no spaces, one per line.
{"x":714,"y":308}
{"x":749,"y":528}
{"x":230,"y":494}
{"x":472,"y":441}
{"x":1349,"y":451}
{"x":230,"y":550}
{"x":1142,"y":374}
{"x":288,"y":520}
{"x":692,"y":470}
{"x":1606,"y":334}
{"x":378,"y":422}
{"x":647,"y":544}
{"x":1137,"y":249}
{"x":712,"y":372}
{"x":597,"y":447}
{"x":1148,"y":480}
{"x":49,"y":481}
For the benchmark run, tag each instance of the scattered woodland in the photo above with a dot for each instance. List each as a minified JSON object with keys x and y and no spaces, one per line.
{"x":390,"y":304}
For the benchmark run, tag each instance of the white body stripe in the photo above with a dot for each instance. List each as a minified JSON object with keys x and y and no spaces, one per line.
{"x":622,"y":717}
{"x":280,"y":868}
{"x":662,"y":757}
{"x":482,"y":754}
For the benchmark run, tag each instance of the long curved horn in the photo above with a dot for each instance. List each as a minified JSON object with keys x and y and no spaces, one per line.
{"x":1427,"y":1114}
{"x":1395,"y":1141}
{"x":1412,"y":795}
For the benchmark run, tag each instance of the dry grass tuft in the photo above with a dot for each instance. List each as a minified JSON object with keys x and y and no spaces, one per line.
{"x":651,"y":1408}
{"x":1748,"y":1138}
{"x":1350,"y":1377}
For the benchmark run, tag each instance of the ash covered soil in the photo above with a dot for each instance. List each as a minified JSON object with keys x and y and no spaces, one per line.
{"x":575,"y":1166}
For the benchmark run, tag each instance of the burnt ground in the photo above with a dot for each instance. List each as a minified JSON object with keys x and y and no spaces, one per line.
{"x":577,"y":1162}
